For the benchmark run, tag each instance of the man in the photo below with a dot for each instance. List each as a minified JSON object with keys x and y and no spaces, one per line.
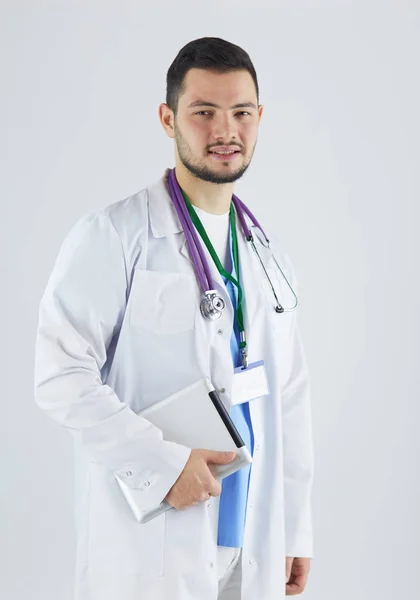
{"x":120,"y":328}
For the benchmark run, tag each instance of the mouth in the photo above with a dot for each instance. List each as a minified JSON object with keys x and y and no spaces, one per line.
{"x":224,"y":156}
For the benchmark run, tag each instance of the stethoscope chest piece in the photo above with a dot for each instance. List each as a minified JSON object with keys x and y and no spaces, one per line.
{"x":212,"y":305}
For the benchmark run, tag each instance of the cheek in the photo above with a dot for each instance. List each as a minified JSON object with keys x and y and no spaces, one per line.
{"x":250,"y":131}
{"x":191,"y":125}
{"x":197,"y":135}
{"x":250,"y":136}
{"x":192,"y":129}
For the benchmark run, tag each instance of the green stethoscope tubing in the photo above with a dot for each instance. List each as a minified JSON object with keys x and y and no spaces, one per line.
{"x":200,"y":228}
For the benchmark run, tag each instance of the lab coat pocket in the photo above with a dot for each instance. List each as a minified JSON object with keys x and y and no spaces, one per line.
{"x":116,"y":540}
{"x":162,"y":302}
{"x":279,"y":321}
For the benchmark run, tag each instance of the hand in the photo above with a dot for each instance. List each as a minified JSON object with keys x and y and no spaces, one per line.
{"x":196,"y":482}
{"x":297,"y":570}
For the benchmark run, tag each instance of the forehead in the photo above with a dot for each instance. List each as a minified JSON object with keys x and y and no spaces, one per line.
{"x":221,"y":88}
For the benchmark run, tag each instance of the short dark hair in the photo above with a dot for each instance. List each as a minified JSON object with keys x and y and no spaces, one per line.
{"x":210,"y":53}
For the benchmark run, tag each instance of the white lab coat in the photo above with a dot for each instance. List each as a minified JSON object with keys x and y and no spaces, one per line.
{"x":119,"y":329}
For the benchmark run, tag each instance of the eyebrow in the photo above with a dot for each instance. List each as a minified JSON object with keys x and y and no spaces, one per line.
{"x":213,"y":105}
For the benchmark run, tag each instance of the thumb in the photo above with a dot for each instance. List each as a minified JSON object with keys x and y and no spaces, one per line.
{"x":219,"y":458}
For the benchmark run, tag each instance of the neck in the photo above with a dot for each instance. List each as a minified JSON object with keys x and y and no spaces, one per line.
{"x":211,"y":197}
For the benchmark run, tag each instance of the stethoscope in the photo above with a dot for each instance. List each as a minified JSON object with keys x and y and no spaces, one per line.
{"x":212,"y":305}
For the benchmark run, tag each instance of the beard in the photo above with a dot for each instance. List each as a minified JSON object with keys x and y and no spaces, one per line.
{"x":198,"y":167}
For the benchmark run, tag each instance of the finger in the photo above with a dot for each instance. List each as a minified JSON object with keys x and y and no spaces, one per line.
{"x":289,"y":562}
{"x":219,"y":458}
{"x":296,"y":585}
{"x":215,"y":488}
{"x":300,"y":580}
{"x":213,"y":469}
{"x":203,"y":497}
{"x":292,"y":589}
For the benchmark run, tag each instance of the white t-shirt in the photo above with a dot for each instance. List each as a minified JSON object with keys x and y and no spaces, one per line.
{"x":217,"y":228}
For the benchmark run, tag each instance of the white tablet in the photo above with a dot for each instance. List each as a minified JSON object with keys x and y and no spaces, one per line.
{"x":197,"y":418}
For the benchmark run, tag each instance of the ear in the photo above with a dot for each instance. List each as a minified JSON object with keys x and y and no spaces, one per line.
{"x":166,"y":117}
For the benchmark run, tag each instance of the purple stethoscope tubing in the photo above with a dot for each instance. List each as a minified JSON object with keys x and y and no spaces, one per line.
{"x":190,"y":229}
{"x":193,"y":243}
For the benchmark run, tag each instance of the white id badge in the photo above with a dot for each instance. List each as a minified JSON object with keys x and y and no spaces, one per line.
{"x":249,"y":383}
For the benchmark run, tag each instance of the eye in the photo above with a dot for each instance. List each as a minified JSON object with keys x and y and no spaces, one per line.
{"x":242,"y":112}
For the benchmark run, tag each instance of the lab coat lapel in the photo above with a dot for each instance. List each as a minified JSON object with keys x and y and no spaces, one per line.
{"x":247,"y":282}
{"x":251,"y":274}
{"x":164,"y":221}
{"x":163,"y":217}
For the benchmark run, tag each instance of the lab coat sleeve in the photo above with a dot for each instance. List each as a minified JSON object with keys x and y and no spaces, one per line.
{"x":80,"y":311}
{"x":298,"y":461}
{"x":298,"y":457}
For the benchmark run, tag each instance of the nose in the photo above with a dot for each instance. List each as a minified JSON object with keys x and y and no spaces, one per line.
{"x":224,"y":128}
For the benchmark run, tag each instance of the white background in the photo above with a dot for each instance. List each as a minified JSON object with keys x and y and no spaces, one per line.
{"x":336,"y":169}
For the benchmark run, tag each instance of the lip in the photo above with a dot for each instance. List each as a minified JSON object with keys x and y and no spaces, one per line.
{"x":225,"y":149}
{"x":225,"y":157}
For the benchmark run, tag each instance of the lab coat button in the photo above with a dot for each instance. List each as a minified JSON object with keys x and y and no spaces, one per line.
{"x":220,"y":331}
{"x":251,"y":561}
{"x":128,"y":473}
{"x":146,"y":483}
{"x":222,"y":390}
